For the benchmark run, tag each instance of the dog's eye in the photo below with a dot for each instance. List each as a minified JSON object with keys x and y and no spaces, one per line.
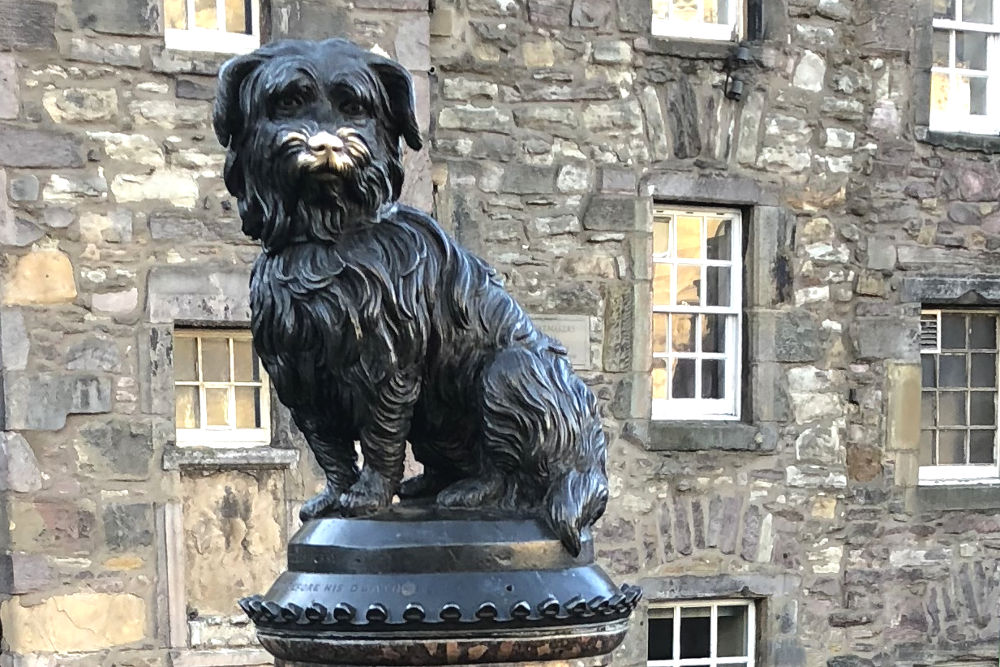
{"x":290,"y":102}
{"x":352,"y":108}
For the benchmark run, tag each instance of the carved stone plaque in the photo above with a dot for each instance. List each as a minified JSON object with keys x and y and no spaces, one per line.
{"x":573,"y":331}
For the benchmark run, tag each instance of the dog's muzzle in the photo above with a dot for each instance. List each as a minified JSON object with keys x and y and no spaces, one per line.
{"x":327,"y":152}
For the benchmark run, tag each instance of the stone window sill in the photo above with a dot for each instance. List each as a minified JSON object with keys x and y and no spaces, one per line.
{"x":692,"y":436}
{"x":944,"y":497}
{"x":985,"y":143}
{"x":215,"y":458}
{"x":695,"y":49}
{"x":221,"y":658}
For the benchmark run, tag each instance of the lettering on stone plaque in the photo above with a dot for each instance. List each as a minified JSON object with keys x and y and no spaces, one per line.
{"x":573,"y":331}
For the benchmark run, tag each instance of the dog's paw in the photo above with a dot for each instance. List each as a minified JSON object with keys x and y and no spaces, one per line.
{"x":369,"y":494}
{"x":325,"y":503}
{"x":472,"y":492}
{"x":422,"y":485}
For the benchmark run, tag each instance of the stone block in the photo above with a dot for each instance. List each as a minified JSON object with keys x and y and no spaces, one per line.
{"x":769,"y":397}
{"x":76,"y":187}
{"x":684,"y":117}
{"x":469,"y":117}
{"x":617,"y":180}
{"x":125,"y":448}
{"x":412,"y":43}
{"x":115,"y":227}
{"x":19,"y":469}
{"x":10,"y":104}
{"x":618,"y":214}
{"x":881,"y":254}
{"x":526,"y":179}
{"x":887,"y":338}
{"x":318,"y":19}
{"x":32,"y":149}
{"x":116,"y":303}
{"x":120,"y":17}
{"x":810,"y":72}
{"x":14,"y":230}
{"x":138,"y":148}
{"x":394,"y":5}
{"x":619,"y":117}
{"x":785,"y":336}
{"x":656,"y":127}
{"x":41,"y":401}
{"x":550,"y":13}
{"x":612,"y":52}
{"x":173,"y":224}
{"x":27,"y":24}
{"x":188,"y":89}
{"x":14,"y":342}
{"x":176,"y":186}
{"x":81,"y":105}
{"x":99,"y":354}
{"x":442,"y":21}
{"x":22,"y":573}
{"x":590,"y":13}
{"x":693,"y":436}
{"x":167,"y":61}
{"x":74,"y":622}
{"x":903,"y":395}
{"x":239,"y":517}
{"x":619,"y":325}
{"x":40,"y":277}
{"x":24,"y":188}
{"x":128,"y":526}
{"x":121,"y":55}
{"x":168,"y":115}
{"x":198,"y":293}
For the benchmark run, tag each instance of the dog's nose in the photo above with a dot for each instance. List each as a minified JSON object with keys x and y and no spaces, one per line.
{"x":324,"y":142}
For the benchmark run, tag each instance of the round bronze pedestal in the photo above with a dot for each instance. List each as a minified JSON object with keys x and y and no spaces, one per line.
{"x":414,"y":586}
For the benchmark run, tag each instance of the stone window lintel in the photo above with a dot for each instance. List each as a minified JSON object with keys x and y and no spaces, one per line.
{"x":692,"y":436}
{"x":958,"y":497}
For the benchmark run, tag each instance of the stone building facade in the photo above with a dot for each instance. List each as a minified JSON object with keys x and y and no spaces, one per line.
{"x":559,"y":133}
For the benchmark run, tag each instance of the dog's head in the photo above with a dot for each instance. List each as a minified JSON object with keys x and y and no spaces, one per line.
{"x":313,"y":131}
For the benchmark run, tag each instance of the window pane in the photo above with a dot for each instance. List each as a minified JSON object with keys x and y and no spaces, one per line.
{"x":236,"y":16}
{"x":718,"y":242}
{"x":661,"y":639}
{"x":713,"y":378}
{"x":944,"y":9}
{"x":185,"y":359}
{"x":217,"y":407}
{"x":682,"y":383}
{"x":928,"y":415}
{"x":689,"y":236}
{"x":684,"y":10}
{"x":928,"y":376}
{"x":660,"y":378}
{"x":660,"y":333}
{"x":695,"y":632}
{"x":952,"y":370}
{"x":975,"y":88}
{"x":688,"y":284}
{"x":951,"y":447}
{"x":951,"y":408}
{"x":204,"y":14}
{"x":981,"y":447}
{"x":732,"y":631}
{"x":661,"y":239}
{"x":984,"y":370}
{"x":713,"y":333}
{"x":970,"y":50}
{"x":940,"y":92}
{"x":186,"y":407}
{"x":661,"y":284}
{"x":717,"y":288}
{"x":248,"y":407}
{"x":927,"y":448}
{"x":245,"y":361}
{"x":942,"y":47}
{"x":983,"y":332}
{"x":215,"y":359}
{"x":982,"y":408}
{"x":173,"y":14}
{"x":952,"y":331}
{"x":682,"y":332}
{"x":977,"y":11}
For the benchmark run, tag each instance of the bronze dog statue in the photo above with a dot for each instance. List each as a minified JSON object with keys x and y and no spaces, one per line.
{"x":373,"y":324}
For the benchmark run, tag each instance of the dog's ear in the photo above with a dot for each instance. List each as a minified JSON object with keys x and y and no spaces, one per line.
{"x":402,"y":105}
{"x":228,"y":117}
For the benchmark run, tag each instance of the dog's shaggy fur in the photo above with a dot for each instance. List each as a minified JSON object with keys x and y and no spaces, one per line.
{"x":373,"y":324}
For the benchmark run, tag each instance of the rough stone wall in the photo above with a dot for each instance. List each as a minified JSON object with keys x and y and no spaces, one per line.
{"x":557,"y":124}
{"x":114,"y":226}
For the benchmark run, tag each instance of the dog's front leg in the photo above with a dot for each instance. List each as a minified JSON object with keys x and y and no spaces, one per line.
{"x":383,"y":444}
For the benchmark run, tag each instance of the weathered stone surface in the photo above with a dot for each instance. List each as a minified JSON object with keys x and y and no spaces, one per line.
{"x":76,"y":187}
{"x":682,"y":114}
{"x":412,"y":43}
{"x":74,"y":622}
{"x":81,"y":105}
{"x":116,"y":227}
{"x":196,"y":294}
{"x":24,"y":188}
{"x":810,"y":72}
{"x":189,"y":89}
{"x":124,"y":447}
{"x":525,"y":180}
{"x":550,"y":13}
{"x":619,"y":322}
{"x":125,"y":55}
{"x":14,"y":343}
{"x":238,"y":518}
{"x":9,"y":89}
{"x":127,"y":17}
{"x":14,"y":230}
{"x":128,"y":526}
{"x":786,"y":336}
{"x":19,"y":469}
{"x":470,"y":117}
{"x":27,"y":24}
{"x":172,"y":224}
{"x":93,"y":354}
{"x":40,"y":277}
{"x":612,"y":213}
{"x":30,"y":148}
{"x":590,"y":13}
{"x":169,"y":115}
{"x":137,"y":148}
{"x":41,"y":401}
{"x":117,"y":303}
{"x":176,"y":186}
{"x":886,"y":338}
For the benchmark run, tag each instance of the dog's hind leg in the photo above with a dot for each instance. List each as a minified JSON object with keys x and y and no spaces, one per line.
{"x":338,"y":459}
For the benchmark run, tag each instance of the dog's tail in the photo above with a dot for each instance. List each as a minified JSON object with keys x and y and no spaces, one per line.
{"x":576,"y":499}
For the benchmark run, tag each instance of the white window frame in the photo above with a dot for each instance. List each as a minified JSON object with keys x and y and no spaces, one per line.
{"x":706,"y":408}
{"x":732,"y":30}
{"x":224,"y":436}
{"x":218,"y":40}
{"x":949,"y":121}
{"x":968,"y":473}
{"x":731,"y":661}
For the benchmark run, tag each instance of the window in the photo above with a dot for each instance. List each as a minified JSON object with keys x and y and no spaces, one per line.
{"x":226,"y":26}
{"x":702,"y":634}
{"x":221,"y":391}
{"x":958,"y":414}
{"x":698,"y":19}
{"x":696,"y":314}
{"x":965,"y":76}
